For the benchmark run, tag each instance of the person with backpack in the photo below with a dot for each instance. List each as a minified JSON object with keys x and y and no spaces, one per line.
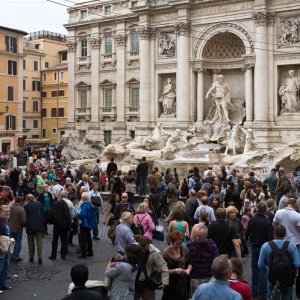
{"x":282,"y":261}
{"x":144,"y":221}
{"x":259,"y":231}
{"x":87,"y":219}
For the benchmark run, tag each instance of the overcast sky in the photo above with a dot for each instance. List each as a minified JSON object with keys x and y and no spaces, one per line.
{"x":35,"y":15}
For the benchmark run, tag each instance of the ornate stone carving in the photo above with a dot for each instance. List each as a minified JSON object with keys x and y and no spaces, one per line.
{"x":182,"y":27}
{"x":289,"y":32}
{"x":120,"y":39}
{"x":222,"y":27}
{"x":95,"y":43}
{"x":289,"y":93}
{"x":71,"y":46}
{"x":167,"y":44}
{"x":198,"y":69}
{"x":248,"y":66}
{"x":83,"y":67}
{"x":121,"y":4}
{"x":262,"y":17}
{"x":145,"y":32}
{"x":167,"y":99}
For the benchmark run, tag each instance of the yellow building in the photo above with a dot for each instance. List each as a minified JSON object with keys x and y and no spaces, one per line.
{"x":54,"y":102}
{"x":43,"y":50}
{"x":11,"y":91}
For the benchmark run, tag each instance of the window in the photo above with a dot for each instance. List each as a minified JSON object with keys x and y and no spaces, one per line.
{"x":24,"y":84}
{"x":135,"y":97}
{"x":64,"y":55}
{"x":61,"y":93}
{"x":133,"y":4}
{"x":24,"y":124}
{"x":37,"y":46}
{"x":83,"y":14}
{"x":35,"y":136}
{"x":82,"y":99}
{"x":35,"y":106}
{"x":107,"y":137}
{"x":107,"y":10}
{"x":132,"y":134}
{"x":83,"y":48}
{"x":11,"y":44}
{"x":54,"y":130}
{"x":10,"y":122}
{"x":44,"y":77}
{"x":12,"y":67}
{"x":62,"y":75}
{"x":44,"y":133}
{"x":61,"y":112}
{"x":135,"y":41}
{"x":24,"y":105}
{"x":107,"y":97}
{"x":53,"y":93}
{"x":46,"y":64}
{"x":55,"y":76}
{"x":36,"y":85}
{"x":53,"y":113}
{"x":44,"y":112}
{"x":108,"y":45}
{"x":10,"y":93}
{"x":44,"y":94}
{"x":35,"y":124}
{"x":35,"y":66}
{"x":24,"y":64}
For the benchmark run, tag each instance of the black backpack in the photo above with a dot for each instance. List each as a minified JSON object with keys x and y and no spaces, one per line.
{"x":281,"y":267}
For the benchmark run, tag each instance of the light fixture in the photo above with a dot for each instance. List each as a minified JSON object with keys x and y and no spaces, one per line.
{"x":6,"y":110}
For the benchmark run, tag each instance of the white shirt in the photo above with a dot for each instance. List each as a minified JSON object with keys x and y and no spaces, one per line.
{"x":56,"y":189}
{"x":209,"y":210}
{"x":71,"y":207}
{"x":290,"y":219}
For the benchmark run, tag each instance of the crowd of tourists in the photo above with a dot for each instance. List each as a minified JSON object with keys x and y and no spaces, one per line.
{"x":211,"y":221}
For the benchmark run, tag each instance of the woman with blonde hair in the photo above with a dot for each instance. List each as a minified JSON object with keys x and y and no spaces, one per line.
{"x":144,"y":219}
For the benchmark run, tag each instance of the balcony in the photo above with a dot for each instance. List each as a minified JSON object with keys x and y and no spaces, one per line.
{"x":83,"y":113}
{"x":132,"y":112}
{"x":108,"y":112}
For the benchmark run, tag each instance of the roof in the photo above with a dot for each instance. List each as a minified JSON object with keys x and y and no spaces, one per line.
{"x":14,"y":30}
{"x":57,"y":67}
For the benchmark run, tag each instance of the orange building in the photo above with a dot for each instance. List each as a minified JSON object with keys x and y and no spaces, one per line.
{"x":11,"y":87}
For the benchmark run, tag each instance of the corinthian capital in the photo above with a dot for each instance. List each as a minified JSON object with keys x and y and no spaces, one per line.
{"x":145,"y":32}
{"x":71,"y":46}
{"x":121,"y":39}
{"x":182,"y":27}
{"x":95,"y":42}
{"x":262,"y":17}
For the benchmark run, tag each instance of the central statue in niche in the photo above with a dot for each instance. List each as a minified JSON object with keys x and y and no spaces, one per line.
{"x":219,"y":92}
{"x":167,"y":99}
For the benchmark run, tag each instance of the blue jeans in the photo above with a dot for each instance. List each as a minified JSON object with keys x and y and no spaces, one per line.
{"x":18,"y":238}
{"x":95,"y":231}
{"x":286,"y":293}
{"x":143,"y":186}
{"x":3,"y":270}
{"x":259,"y":276}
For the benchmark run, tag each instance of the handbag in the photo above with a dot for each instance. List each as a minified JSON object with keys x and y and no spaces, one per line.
{"x":96,"y":200}
{"x":183,"y":286}
{"x":154,"y":281}
{"x":158,"y":235}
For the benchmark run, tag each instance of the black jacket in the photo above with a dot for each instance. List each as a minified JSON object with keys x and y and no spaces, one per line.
{"x":35,"y":217}
{"x":41,"y":198}
{"x":60,"y":214}
{"x":80,"y":293}
{"x":111,"y":167}
{"x":142,"y":169}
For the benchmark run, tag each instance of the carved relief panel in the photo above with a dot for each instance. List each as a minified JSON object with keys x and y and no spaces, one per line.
{"x":167,"y":44}
{"x":289,"y":32}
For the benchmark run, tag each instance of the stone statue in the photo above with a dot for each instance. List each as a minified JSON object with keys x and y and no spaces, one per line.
{"x":250,"y":144}
{"x":289,"y":31}
{"x":167,"y":98}
{"x":289,"y":93}
{"x":236,"y":140}
{"x":154,"y":142}
{"x":219,"y":92}
{"x":173,"y":139}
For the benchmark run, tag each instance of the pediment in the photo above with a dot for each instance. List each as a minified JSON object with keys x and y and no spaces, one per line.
{"x":133,"y":81}
{"x":82,"y":84}
{"x":107,"y":83}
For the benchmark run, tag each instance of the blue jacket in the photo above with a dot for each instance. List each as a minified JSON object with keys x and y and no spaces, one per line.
{"x":87,"y":215}
{"x":35,"y":217}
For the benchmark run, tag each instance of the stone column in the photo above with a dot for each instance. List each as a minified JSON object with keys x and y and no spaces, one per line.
{"x":200,"y":94}
{"x":95,"y":42}
{"x":248,"y":91}
{"x":145,"y":74}
{"x":261,"y":82}
{"x":120,"y":39}
{"x":183,"y":72}
{"x":71,"y":84}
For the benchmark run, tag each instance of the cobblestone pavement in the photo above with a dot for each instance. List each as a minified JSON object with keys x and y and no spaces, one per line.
{"x":50,"y":280}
